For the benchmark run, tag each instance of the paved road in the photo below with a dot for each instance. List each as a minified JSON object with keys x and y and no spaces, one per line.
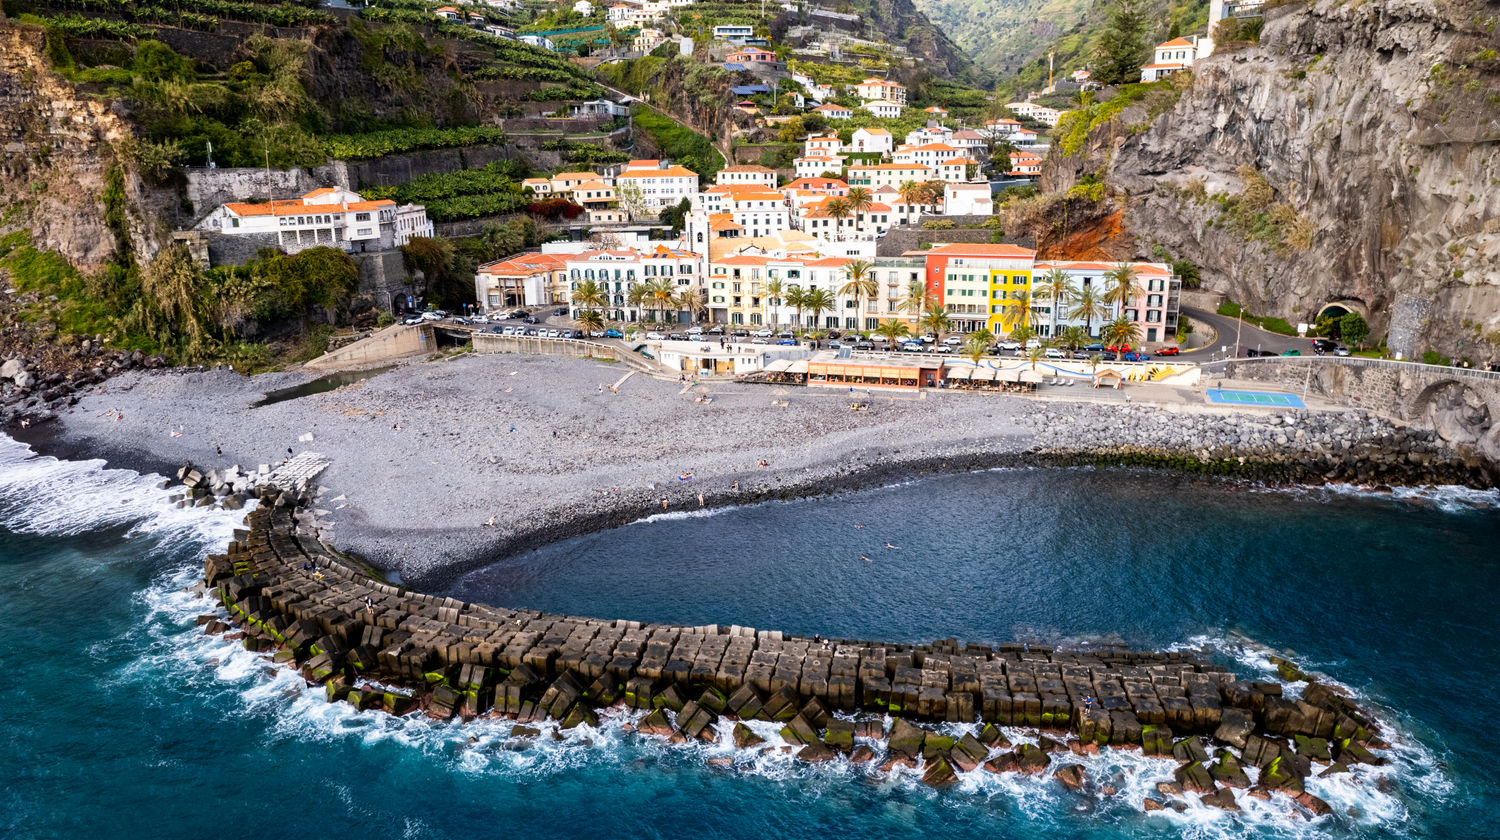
{"x":1250,"y":336}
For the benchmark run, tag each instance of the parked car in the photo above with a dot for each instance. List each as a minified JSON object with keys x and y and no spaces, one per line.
{"x":498,"y":330}
{"x":836,"y":345}
{"x":864,"y":345}
{"x":716,"y":331}
{"x":1033,"y":343}
{"x":531,"y":319}
{"x":787,"y":335}
{"x":561,"y":310}
{"x":554,"y":333}
{"x":613,"y":333}
{"x":1251,"y":352}
{"x":942,"y":348}
{"x":1054,"y":353}
{"x":740,"y":333}
{"x":479,"y":319}
{"x":788,"y":342}
{"x":695,"y":331}
{"x":655,"y":336}
{"x":1138,"y":357}
{"x":531,"y":332}
{"x":1169,"y":350}
{"x":430,"y":316}
{"x":677,"y":337}
{"x":413,"y":320}
{"x":1292,"y":352}
{"x":879,"y":339}
{"x":1009,"y":345}
{"x":928,"y":338}
{"x":912,"y":346}
{"x":765,"y":333}
{"x":1081,"y":355}
{"x":1324,"y":345}
{"x":760,"y":340}
{"x":1096,"y":347}
{"x":953,"y":340}
{"x":1341,"y":351}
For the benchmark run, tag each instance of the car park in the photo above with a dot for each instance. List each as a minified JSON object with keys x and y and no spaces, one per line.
{"x":613,"y":333}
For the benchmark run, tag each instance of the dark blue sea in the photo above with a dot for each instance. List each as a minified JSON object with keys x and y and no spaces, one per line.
{"x":119,"y":719}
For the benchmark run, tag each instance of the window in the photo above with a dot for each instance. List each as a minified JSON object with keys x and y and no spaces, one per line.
{"x":361,"y":217}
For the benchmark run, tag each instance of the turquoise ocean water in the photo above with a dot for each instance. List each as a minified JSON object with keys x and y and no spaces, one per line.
{"x":118,"y":719}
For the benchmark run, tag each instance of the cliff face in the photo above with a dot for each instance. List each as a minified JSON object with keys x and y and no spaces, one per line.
{"x":1353,"y":155}
{"x":57,"y":149}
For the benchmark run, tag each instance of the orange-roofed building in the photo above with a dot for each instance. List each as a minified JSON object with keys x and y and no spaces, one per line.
{"x":330,"y":217}
{"x":1153,"y":305}
{"x":661,"y":186}
{"x":749,"y":174}
{"x":1171,"y":57}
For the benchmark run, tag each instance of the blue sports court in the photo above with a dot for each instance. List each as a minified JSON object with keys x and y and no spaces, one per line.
{"x":1268,"y":399}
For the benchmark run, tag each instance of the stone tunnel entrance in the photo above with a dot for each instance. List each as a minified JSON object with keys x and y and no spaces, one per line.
{"x":1338,"y":309}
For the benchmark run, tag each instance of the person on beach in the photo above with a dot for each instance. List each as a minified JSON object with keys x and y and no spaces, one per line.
{"x":369,"y":605}
{"x":700,"y":500}
{"x":735,"y":486}
{"x":663,"y":502}
{"x":687,"y":476}
{"x":601,"y":390}
{"x":489,"y":523}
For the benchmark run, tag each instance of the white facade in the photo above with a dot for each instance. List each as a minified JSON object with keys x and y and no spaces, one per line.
{"x":661,"y":188}
{"x":884,"y":109}
{"x":620,"y":271}
{"x":878,"y":90}
{"x":968,"y":200}
{"x":330,"y":217}
{"x":748,"y":174}
{"x":871,"y":140}
{"x":1171,"y":57}
{"x":815,"y":165}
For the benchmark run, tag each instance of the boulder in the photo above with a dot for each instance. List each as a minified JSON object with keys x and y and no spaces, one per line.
{"x":1312,"y":803}
{"x":656,"y":723}
{"x":1281,"y":774}
{"x":1315,"y":749}
{"x":992,"y":737}
{"x":939,"y":773}
{"x":1227,"y":771}
{"x":1235,"y":726}
{"x":815,"y":753}
{"x":1195,"y":778}
{"x":937,"y":746}
{"x":744,"y":738}
{"x":1223,"y":799}
{"x":968,"y":753}
{"x":906,"y":739}
{"x":1152,"y":805}
{"x":1334,"y":769}
{"x":800,"y":731}
{"x":1190,"y":749}
{"x":861,"y":755}
{"x":1071,"y":777}
{"x":1003,"y":763}
{"x":839,"y":736}
{"x":11,"y":369}
{"x":519,"y":731}
{"x":1031,"y":759}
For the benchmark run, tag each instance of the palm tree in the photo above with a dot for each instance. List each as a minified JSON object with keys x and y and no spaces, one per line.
{"x":936,"y":321}
{"x":860,"y":200}
{"x":838,"y":208}
{"x":1023,"y":298}
{"x":817,"y":301}
{"x":917,"y":298}
{"x":773,"y":296}
{"x":639,"y":296}
{"x":663,"y":294}
{"x":894,"y":331}
{"x":1094,"y":361}
{"x":910,"y":192}
{"x":978,"y":344}
{"x":591,"y":321}
{"x":691,"y":301}
{"x":796,"y":297}
{"x":861,"y":285}
{"x":1034,"y":355}
{"x":1122,"y":287}
{"x":1121,"y":332}
{"x":1088,"y":306}
{"x":590,"y":295}
{"x":1055,"y":289}
{"x":1074,"y":338}
{"x":1021,"y":333}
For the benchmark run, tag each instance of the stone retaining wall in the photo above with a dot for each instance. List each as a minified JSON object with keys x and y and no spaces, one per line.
{"x":377,"y":646}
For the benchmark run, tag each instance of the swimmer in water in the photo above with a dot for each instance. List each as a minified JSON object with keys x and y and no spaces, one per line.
{"x":897,"y":547}
{"x":864,"y":558}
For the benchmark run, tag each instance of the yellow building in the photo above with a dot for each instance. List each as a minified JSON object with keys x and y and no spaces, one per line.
{"x":980,"y":285}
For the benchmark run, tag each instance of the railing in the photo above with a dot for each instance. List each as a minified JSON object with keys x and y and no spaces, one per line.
{"x":1359,"y":361}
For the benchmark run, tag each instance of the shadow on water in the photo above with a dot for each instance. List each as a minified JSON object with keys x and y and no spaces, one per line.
{"x":321,"y":385}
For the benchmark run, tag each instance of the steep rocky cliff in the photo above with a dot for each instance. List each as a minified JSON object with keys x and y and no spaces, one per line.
{"x":1352,"y":155}
{"x":58,"y":147}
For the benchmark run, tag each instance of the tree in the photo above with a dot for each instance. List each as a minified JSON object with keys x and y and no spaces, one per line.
{"x":1187,"y":271}
{"x":1121,"y":333}
{"x":792,"y":130}
{"x":1021,"y":333}
{"x":664,"y":295}
{"x":1122,"y":287}
{"x":999,"y":149}
{"x":917,"y":299}
{"x":434,"y":259}
{"x":1035,"y":354}
{"x":639,"y":296}
{"x":796,"y":297}
{"x":1074,"y":338}
{"x":167,"y":307}
{"x":910,"y":192}
{"x":818,"y":301}
{"x":860,"y":200}
{"x":1088,"y":306}
{"x":838,"y":209}
{"x":977,"y":344}
{"x":935,"y":320}
{"x":861,"y":284}
{"x":894,"y":331}
{"x":1122,"y":45}
{"x":676,"y":215}
{"x":591,"y":321}
{"x":590,"y":295}
{"x":1353,"y":329}
{"x":692,"y":301}
{"x":1055,"y":289}
{"x":1022,"y":297}
{"x":632,"y":200}
{"x":774,"y":289}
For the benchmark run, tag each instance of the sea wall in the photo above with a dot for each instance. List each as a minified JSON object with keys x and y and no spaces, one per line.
{"x":378,"y":646}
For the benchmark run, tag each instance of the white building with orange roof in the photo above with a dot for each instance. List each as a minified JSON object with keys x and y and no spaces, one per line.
{"x":887,"y":174}
{"x":564,"y":182}
{"x":884,"y":109}
{"x":448,"y":13}
{"x":329,"y":216}
{"x":738,"y":294}
{"x":957,"y":170}
{"x":1171,"y":57}
{"x":757,"y":210}
{"x":1025,"y":165}
{"x":522,"y":280}
{"x":968,"y":199}
{"x":825,"y":145}
{"x":805,"y":190}
{"x":1001,"y":127}
{"x":869,"y":224}
{"x":969,"y":141}
{"x":661,"y":186}
{"x":871,"y":139}
{"x":538,"y":186}
{"x":833,"y":111}
{"x":750,"y":174}
{"x":813,"y":166}
{"x":936,"y":111}
{"x":929,"y":155}
{"x":618,"y":271}
{"x":881,"y":90}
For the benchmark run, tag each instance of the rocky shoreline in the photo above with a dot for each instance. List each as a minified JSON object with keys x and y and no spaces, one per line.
{"x":379,"y":647}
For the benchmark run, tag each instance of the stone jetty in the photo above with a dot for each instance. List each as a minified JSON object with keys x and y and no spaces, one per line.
{"x":378,"y":646}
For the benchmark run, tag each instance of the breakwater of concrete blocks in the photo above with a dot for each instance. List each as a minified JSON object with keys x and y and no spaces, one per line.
{"x":378,"y":646}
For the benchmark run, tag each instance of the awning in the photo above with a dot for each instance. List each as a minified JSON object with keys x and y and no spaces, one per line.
{"x":960,"y":374}
{"x":1029,"y":375}
{"x":779,"y":366}
{"x":1012,"y":375}
{"x":984,"y":375}
{"x":799,"y":366}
